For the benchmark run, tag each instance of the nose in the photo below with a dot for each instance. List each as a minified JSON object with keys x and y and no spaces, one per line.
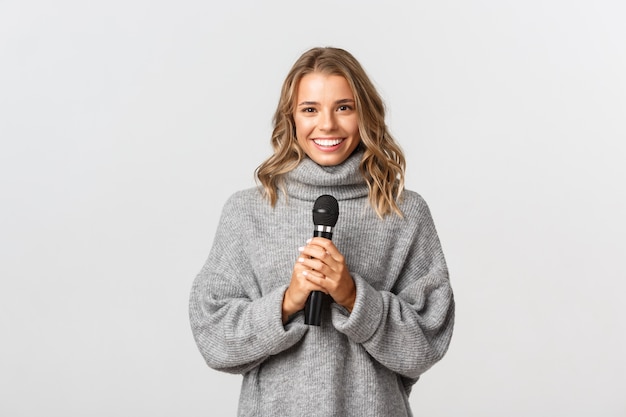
{"x":328,"y":120}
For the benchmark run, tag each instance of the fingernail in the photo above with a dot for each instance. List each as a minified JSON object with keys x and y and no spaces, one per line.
{"x":305,"y":273}
{"x":301,"y":248}
{"x":300,"y":260}
{"x":309,"y":240}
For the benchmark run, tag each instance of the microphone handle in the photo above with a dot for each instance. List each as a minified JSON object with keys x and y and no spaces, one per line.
{"x":313,"y":306}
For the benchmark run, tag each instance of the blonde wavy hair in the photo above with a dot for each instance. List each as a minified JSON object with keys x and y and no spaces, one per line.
{"x":383,"y":163}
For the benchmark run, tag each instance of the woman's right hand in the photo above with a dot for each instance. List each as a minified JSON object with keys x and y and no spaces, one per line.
{"x":299,"y":289}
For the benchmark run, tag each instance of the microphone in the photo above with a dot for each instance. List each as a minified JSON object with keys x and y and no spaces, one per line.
{"x":325,"y":215}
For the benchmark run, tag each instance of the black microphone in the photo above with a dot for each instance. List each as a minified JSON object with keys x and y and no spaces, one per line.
{"x":325,"y":215}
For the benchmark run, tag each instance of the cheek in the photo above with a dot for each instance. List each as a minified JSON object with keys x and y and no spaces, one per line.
{"x":351,"y":126}
{"x":299,"y":131}
{"x":302,"y":128}
{"x":301,"y":140}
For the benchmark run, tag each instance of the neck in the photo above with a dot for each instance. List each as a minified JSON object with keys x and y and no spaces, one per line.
{"x":344,"y":181}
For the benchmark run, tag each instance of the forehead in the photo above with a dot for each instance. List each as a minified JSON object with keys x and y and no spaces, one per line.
{"x":324,"y":86}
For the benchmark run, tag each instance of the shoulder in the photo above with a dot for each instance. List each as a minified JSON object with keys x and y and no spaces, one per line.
{"x":248,"y":198}
{"x":240,"y":205}
{"x":413,"y":204}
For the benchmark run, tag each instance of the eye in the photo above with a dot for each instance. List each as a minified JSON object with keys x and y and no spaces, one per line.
{"x":344,"y":107}
{"x":308,"y":110}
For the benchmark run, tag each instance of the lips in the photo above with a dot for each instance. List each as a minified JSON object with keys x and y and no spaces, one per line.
{"x":328,"y":143}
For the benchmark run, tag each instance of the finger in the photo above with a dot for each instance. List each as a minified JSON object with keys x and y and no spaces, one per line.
{"x":301,"y":286}
{"x":328,"y":247}
{"x":311,"y":274}
{"x":318,"y":280}
{"x":315,"y":264}
{"x":318,"y":253}
{"x":313,"y":251}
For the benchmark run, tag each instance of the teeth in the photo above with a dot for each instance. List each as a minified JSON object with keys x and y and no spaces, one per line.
{"x":328,"y":142}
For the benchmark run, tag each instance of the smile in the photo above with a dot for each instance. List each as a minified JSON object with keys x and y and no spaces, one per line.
{"x":327,"y":142}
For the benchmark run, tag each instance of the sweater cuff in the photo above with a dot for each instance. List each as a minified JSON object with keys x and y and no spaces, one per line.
{"x":272,"y":334}
{"x":362,"y":322}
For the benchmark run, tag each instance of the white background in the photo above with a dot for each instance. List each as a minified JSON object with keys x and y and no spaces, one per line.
{"x":126,"y":124}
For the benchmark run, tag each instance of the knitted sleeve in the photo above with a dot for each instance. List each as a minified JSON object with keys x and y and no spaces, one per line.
{"x":236,"y":328}
{"x":409,"y":328}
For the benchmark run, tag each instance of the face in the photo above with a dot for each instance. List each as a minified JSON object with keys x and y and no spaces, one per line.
{"x":326,"y":118}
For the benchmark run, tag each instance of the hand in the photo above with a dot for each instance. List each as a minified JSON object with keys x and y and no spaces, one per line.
{"x":299,"y":289}
{"x":321,"y":267}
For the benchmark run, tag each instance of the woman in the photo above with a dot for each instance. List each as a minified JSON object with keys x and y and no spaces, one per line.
{"x":390,"y":310}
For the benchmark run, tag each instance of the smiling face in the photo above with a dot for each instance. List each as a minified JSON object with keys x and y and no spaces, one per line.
{"x":326,"y":119}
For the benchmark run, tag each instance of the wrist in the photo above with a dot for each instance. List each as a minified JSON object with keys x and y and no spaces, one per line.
{"x":349,"y":304}
{"x":288,"y":307}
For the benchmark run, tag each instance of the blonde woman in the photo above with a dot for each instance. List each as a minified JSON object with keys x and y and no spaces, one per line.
{"x":389,"y":310}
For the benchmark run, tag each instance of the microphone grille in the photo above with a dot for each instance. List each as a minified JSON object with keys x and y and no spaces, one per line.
{"x":325,"y":211}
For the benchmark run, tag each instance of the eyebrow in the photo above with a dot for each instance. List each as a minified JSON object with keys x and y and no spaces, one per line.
{"x":342,"y":101}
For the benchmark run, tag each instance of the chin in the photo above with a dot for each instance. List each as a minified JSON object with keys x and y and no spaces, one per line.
{"x":328,"y":160}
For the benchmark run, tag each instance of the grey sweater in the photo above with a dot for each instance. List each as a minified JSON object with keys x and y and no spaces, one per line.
{"x":361,"y":363}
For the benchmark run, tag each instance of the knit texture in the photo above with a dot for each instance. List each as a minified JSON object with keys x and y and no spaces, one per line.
{"x":362,"y":363}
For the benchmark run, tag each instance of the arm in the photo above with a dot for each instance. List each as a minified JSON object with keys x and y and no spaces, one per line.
{"x":235,"y":327}
{"x":409,"y":328}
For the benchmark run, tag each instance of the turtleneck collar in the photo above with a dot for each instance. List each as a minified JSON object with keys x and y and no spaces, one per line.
{"x":344,"y":181}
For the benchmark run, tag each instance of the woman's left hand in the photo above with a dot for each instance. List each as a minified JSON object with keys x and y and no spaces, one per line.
{"x":328,"y":269}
